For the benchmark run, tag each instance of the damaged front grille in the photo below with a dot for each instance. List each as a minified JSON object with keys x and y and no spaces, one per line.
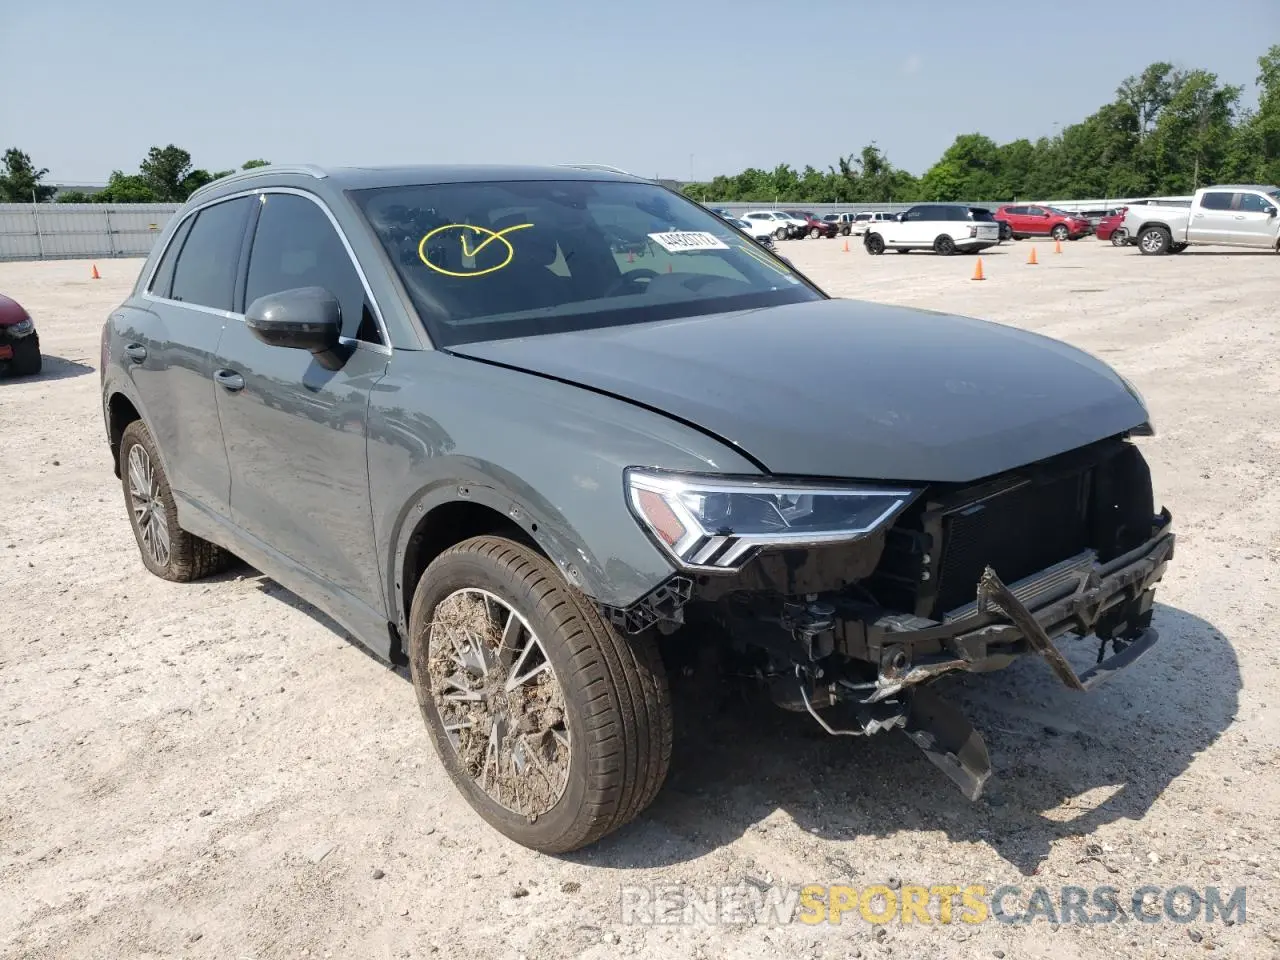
{"x":1021,"y":523}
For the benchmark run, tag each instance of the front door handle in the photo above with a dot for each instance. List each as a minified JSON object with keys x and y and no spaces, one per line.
{"x":1240,"y":217}
{"x":136,"y":352}
{"x":229,"y":380}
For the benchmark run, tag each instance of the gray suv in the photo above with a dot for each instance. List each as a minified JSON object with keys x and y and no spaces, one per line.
{"x":550,"y":435}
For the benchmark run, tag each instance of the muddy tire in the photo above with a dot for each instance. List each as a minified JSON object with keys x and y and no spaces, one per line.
{"x":26,"y":360}
{"x":874,"y":244}
{"x":596,"y":742}
{"x":1155,"y":241}
{"x":167,"y":550}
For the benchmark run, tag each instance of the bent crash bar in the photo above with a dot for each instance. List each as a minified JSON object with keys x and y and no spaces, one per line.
{"x":999,"y":628}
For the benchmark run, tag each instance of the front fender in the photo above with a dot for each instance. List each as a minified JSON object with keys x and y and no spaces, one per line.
{"x":547,"y":455}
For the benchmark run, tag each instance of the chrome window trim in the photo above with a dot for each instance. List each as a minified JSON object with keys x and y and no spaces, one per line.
{"x":260,"y":193}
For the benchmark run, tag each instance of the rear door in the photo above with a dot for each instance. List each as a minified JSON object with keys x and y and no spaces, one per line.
{"x":170,"y":351}
{"x":294,"y":431}
{"x":1212,"y":220}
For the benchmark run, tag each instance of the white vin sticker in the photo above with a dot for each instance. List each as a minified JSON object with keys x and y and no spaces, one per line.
{"x":684,"y":241}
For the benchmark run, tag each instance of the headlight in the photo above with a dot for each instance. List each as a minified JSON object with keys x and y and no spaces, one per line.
{"x":21,"y":328}
{"x":719,"y":523}
{"x":1147,"y":429}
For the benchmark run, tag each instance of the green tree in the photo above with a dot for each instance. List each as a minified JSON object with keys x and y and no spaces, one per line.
{"x":125,"y":188}
{"x":20,"y":182}
{"x":1149,"y":93}
{"x":1188,"y":147}
{"x":250,"y":164}
{"x":73,"y":196}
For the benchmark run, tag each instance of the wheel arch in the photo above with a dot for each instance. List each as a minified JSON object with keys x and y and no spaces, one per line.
{"x":121,"y":410}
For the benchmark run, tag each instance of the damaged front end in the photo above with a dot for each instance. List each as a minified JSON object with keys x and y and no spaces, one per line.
{"x":963,"y":578}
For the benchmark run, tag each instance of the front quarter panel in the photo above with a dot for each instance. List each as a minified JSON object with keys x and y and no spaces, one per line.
{"x":548,"y":455}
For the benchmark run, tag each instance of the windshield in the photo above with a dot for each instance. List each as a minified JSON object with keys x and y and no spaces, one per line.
{"x":494,"y":260}
{"x":1064,"y":213}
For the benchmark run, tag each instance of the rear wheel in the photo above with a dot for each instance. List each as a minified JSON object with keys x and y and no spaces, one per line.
{"x":814,"y":233}
{"x":944,"y":246}
{"x":845,"y":231}
{"x":1006,"y":231}
{"x":1118,"y":238}
{"x":555,"y":727}
{"x":1155,"y":241}
{"x":167,"y":550}
{"x":874,"y":244}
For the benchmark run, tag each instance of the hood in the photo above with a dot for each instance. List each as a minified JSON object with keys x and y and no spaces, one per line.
{"x":11,"y":312}
{"x":848,"y":389}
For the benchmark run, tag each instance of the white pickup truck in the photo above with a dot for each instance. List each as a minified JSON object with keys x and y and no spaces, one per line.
{"x":1233,"y":216}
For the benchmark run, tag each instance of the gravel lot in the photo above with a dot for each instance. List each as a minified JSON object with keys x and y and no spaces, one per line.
{"x":214,"y":770}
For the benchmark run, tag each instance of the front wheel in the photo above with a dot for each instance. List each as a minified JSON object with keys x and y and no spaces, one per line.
{"x":1060,"y":232}
{"x":845,"y":231}
{"x":780,"y":233}
{"x":1118,"y":239}
{"x":813,"y":233}
{"x":1006,"y":231}
{"x":1155,"y":241}
{"x":26,"y":361}
{"x":874,"y":244}
{"x":555,"y":727}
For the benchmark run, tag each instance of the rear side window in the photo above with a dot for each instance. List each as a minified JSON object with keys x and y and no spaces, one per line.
{"x":296,"y":245}
{"x":205,"y":273}
{"x":1219,"y":200}
{"x":981,"y":214}
{"x":162,"y":280}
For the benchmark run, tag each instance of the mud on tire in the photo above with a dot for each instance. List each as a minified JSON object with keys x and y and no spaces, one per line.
{"x":187,"y":557}
{"x":613,"y":694}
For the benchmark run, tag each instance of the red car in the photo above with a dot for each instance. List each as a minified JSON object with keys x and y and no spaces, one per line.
{"x":1037,"y":220}
{"x":1111,"y":227}
{"x":19,"y":343}
{"x":813,"y":227}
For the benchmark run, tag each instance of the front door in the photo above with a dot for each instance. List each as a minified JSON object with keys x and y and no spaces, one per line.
{"x":170,"y":349}
{"x":1252,"y":224}
{"x":294,"y":431}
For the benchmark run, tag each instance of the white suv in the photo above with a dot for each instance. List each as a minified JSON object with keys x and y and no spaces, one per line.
{"x":944,"y":228}
{"x":780,"y":224}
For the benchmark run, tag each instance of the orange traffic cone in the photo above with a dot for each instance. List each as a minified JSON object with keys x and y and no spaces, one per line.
{"x":846,"y":244}
{"x":95,"y":275}
{"x":977,"y":271}
{"x":1032,"y":258}
{"x":1057,"y":245}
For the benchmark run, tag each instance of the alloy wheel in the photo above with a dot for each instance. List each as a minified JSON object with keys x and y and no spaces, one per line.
{"x":148,"y":508}
{"x":499,"y":700}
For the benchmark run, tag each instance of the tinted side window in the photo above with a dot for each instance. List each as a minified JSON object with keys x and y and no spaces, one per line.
{"x":162,"y":280}
{"x":917,"y":213}
{"x":1253,"y":203}
{"x":1220,"y":200}
{"x":297,"y":246}
{"x":205,"y":273}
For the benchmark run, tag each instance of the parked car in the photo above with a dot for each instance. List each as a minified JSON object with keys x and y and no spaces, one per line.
{"x":1234,"y":216}
{"x":865,"y":221}
{"x":1037,"y":220}
{"x":813,"y":227}
{"x":437,"y":404}
{"x":758,"y":232}
{"x":780,"y":224}
{"x":944,"y":228}
{"x":19,"y":341}
{"x":1111,"y":227}
{"x":843,"y":222}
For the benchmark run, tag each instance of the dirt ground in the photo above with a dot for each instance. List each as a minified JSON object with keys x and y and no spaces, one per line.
{"x":214,"y":770}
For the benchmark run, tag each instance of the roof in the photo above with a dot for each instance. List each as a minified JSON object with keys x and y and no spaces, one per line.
{"x":360,"y":178}
{"x":1242,"y":186}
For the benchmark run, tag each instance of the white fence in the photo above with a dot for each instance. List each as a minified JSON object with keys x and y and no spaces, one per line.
{"x":60,"y":231}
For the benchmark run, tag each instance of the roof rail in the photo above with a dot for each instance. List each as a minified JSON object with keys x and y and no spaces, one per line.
{"x":606,"y":168}
{"x":303,"y":169}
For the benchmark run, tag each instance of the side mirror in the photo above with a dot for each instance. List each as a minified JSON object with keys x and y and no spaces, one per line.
{"x":1271,"y":211}
{"x":306,"y":318}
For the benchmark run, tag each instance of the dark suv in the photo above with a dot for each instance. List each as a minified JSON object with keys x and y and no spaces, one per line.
{"x":544,"y":467}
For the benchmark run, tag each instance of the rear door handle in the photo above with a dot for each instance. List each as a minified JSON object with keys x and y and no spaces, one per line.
{"x":229,"y":380}
{"x":136,"y":352}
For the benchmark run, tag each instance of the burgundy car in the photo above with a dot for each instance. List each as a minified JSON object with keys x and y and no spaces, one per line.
{"x":1038,"y":220}
{"x":19,"y":343}
{"x":1111,"y":227}
{"x":813,"y":227}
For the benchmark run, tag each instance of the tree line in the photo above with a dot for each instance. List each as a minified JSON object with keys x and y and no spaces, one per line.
{"x":165,"y":175}
{"x":1167,"y":132}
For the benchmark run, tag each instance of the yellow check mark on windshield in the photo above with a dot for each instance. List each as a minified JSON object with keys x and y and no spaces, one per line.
{"x":492,"y":236}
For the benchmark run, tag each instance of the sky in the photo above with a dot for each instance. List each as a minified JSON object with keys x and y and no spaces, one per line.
{"x":684,"y":90}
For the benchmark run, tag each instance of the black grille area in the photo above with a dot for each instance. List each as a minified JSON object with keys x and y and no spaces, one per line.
{"x":1018,"y":532}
